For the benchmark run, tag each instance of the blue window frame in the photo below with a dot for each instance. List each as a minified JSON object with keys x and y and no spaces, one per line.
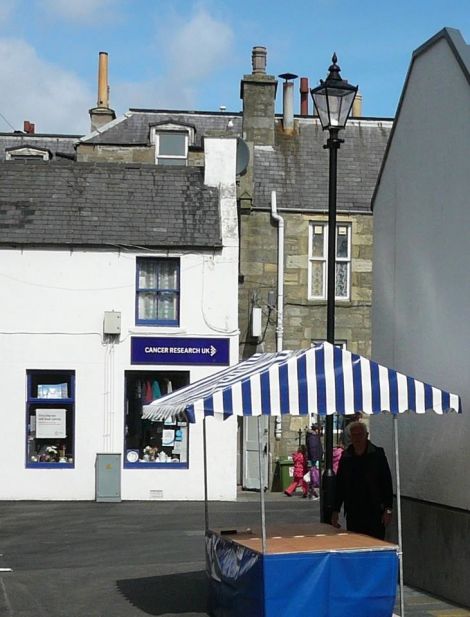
{"x":148,"y":444}
{"x":50,"y":419}
{"x":157,"y":291}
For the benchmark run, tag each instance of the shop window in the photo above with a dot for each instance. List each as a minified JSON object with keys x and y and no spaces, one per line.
{"x":50,"y":419}
{"x":318,"y":259}
{"x":158,"y":291}
{"x":162,"y":444}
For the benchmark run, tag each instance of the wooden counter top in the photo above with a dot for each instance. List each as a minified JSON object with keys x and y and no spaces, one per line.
{"x":307,"y":538}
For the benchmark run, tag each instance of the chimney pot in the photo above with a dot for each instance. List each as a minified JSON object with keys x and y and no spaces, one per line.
{"x":28,"y":127}
{"x":258,"y":60}
{"x":357,"y":106}
{"x":304,"y":96}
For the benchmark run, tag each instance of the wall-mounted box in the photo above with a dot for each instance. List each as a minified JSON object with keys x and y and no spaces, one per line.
{"x":256,"y":322}
{"x":112,"y":322}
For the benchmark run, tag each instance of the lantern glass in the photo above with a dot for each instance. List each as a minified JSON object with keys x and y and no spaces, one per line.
{"x":334,"y":99}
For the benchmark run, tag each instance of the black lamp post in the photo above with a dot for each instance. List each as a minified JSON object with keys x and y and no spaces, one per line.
{"x":333,"y":100}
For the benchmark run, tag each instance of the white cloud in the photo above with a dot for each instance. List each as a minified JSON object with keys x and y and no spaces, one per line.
{"x":82,"y":10}
{"x":54,"y":99}
{"x":193,"y":50}
{"x":199,"y":46}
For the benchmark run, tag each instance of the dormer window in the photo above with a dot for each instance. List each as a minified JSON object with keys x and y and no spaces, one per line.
{"x":25,"y":153}
{"x":172,"y":142}
{"x":171,"y":147}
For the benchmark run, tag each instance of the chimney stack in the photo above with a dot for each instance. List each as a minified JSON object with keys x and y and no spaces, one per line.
{"x":28,"y":127}
{"x":258,"y":92}
{"x":304,"y":96}
{"x":102,"y":114}
{"x":288,"y":101}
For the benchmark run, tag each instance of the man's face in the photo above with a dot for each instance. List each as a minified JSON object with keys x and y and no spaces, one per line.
{"x":358,"y":437}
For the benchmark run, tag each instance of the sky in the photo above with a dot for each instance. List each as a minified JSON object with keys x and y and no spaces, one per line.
{"x":191,"y":54}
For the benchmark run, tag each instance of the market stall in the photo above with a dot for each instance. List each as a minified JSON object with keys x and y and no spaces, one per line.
{"x":321,"y":380}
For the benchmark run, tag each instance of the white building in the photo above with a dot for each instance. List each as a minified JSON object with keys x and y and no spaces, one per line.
{"x":420,"y":309}
{"x":119,"y":284}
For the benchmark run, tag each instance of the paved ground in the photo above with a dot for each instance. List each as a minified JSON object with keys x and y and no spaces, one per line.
{"x":130,"y":559}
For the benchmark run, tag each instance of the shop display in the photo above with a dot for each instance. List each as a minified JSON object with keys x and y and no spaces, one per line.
{"x":148,"y":442}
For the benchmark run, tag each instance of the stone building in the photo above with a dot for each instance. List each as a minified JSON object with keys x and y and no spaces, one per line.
{"x":288,"y":158}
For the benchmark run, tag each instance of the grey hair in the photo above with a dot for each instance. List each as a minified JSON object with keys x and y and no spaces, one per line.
{"x":358,"y":424}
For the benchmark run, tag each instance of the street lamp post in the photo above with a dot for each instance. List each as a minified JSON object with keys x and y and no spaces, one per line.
{"x":333,"y":100}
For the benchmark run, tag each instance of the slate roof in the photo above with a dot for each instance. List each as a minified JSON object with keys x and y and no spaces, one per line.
{"x":297,"y":167}
{"x":103,"y":205}
{"x":134,"y":128}
{"x":55,"y":143}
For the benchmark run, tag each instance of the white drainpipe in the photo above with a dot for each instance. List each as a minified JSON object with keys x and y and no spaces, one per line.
{"x":280,"y":271}
{"x":280,"y":289}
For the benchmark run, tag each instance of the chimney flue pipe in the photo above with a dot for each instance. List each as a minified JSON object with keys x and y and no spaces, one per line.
{"x":288,"y":101}
{"x":103,"y":91}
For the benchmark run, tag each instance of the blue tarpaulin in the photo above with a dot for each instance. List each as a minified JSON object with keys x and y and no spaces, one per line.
{"x":245,"y":583}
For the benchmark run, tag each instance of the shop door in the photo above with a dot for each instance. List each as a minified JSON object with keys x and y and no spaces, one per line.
{"x":250,"y":454}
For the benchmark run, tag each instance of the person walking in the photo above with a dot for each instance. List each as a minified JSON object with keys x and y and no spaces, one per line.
{"x":314,"y":455}
{"x":299,"y":459}
{"x":363,"y":486}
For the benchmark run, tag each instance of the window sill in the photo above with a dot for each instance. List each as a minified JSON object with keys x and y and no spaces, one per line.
{"x":148,"y":329}
{"x":315,"y":302}
{"x":144,"y":465}
{"x":50,"y":466}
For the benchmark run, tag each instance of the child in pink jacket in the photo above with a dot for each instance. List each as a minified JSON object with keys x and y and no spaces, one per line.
{"x":300,"y":469}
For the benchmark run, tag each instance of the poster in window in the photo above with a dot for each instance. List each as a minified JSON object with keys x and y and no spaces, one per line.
{"x":50,"y":423}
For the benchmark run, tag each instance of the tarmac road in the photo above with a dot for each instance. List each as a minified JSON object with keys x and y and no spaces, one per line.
{"x":131,"y":559}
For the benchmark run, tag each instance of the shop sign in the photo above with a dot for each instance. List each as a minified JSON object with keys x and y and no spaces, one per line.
{"x":160,"y":350}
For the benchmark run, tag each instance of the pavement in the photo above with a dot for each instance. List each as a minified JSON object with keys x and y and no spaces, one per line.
{"x":132,"y":559}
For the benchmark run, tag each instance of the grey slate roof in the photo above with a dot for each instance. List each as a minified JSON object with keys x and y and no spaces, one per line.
{"x":297,"y":167}
{"x":102,"y":205}
{"x":134,"y":127}
{"x":55,"y":143}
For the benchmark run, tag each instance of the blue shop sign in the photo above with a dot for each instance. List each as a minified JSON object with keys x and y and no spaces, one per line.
{"x":159,"y":350}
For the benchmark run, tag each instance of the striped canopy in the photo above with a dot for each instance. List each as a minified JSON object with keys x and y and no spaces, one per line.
{"x":323,"y":380}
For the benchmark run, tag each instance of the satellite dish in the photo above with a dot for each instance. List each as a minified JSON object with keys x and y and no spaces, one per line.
{"x":243,"y":156}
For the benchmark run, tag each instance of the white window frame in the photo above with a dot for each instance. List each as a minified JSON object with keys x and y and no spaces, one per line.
{"x":169,"y":128}
{"x":324,"y":260}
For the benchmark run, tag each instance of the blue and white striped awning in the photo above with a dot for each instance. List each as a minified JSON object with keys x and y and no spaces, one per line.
{"x":321,"y":380}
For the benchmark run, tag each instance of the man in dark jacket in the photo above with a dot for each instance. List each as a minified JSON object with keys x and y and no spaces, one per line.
{"x":364,"y":486}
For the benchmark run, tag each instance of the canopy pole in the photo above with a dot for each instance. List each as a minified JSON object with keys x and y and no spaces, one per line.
{"x":400,"y":539}
{"x":261,"y":488}
{"x":206,"y":498}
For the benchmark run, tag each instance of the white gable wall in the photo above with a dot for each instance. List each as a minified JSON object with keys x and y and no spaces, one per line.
{"x":421,"y":291}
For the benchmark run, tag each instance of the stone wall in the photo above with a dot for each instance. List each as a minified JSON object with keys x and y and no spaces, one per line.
{"x":304,"y":320}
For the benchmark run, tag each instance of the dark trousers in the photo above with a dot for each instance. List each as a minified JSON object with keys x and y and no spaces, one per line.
{"x":368,"y":523}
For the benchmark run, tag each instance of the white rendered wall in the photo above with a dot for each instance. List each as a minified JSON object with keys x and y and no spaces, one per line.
{"x":421,"y":281}
{"x":51,"y":317}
